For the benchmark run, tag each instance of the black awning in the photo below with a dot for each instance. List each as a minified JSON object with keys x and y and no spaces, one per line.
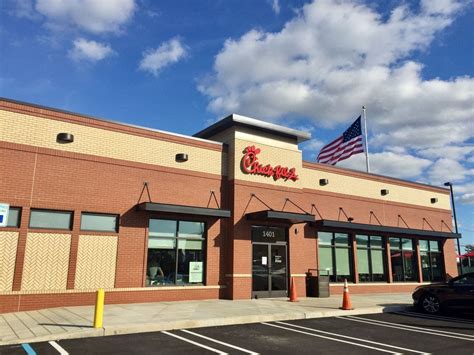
{"x":325,"y":223}
{"x":280,"y":216}
{"x":190,"y":210}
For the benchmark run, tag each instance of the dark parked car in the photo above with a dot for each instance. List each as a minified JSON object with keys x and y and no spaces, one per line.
{"x":457,"y":293}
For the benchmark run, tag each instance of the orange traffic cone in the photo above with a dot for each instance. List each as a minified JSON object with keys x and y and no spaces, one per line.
{"x":293,"y":296}
{"x":346,"y":300}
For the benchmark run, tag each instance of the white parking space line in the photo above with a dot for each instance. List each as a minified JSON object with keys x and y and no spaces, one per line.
{"x":195,"y":343}
{"x":353,"y":338}
{"x":58,"y":348}
{"x":409,"y":328}
{"x":431,"y":316}
{"x":328,"y":338}
{"x":417,"y":327}
{"x":220,"y":342}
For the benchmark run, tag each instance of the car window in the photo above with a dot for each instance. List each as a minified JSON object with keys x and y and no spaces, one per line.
{"x":465,"y":280}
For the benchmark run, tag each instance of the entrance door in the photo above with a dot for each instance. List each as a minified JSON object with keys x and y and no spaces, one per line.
{"x":269,"y":270}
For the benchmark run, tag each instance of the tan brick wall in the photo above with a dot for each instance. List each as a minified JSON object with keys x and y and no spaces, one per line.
{"x":96,"y":262}
{"x":368,"y":188}
{"x":8,"y":247}
{"x":46,"y":261}
{"x":38,"y":131}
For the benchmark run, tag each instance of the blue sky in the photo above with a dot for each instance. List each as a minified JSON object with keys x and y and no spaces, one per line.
{"x":179,"y":65}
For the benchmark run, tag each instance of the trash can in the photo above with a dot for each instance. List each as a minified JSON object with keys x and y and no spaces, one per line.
{"x":317,"y":284}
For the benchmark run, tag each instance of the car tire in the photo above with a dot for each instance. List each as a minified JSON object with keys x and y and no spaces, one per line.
{"x":430,"y":304}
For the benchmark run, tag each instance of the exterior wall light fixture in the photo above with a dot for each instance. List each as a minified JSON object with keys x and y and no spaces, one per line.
{"x":384,"y":192}
{"x":181,"y":157}
{"x":434,"y":200}
{"x":323,"y":182}
{"x":64,"y":138}
{"x":350,"y":219}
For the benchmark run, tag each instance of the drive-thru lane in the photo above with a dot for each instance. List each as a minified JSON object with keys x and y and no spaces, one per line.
{"x":395,"y":333}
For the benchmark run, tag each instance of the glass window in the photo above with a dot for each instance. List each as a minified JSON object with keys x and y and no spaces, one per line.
{"x":175,"y":252}
{"x":370,"y":258}
{"x":341,"y":239}
{"x":362,"y":240}
{"x":431,"y":260}
{"x":163,"y":228}
{"x":324,"y":238}
{"x":99,"y":222}
{"x":335,"y":255}
{"x":434,"y":245}
{"x":394,"y":243}
{"x":424,"y":245}
{"x":51,"y":219}
{"x":325,"y":260}
{"x":363,"y":264}
{"x":403,"y":260}
{"x":14,"y":216}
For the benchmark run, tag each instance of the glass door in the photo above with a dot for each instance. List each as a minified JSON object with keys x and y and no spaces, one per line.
{"x":278,"y":274}
{"x":269,"y":270}
{"x":260,"y":271}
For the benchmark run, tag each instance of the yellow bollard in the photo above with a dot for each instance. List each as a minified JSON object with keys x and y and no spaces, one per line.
{"x":99,"y":308}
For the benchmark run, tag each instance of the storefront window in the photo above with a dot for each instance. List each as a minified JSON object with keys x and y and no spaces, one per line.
{"x":370,"y":260}
{"x":431,"y":260}
{"x":335,"y":255}
{"x":403,"y":259}
{"x":175,"y":252}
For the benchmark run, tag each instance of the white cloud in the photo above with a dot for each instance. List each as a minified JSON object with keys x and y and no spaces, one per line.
{"x":167,"y":53}
{"x":451,"y":152}
{"x":335,"y":56}
{"x":448,"y":170}
{"x":403,"y":166}
{"x":24,"y":9}
{"x":90,"y":50}
{"x":91,"y":15}
{"x":275,"y":6}
{"x":467,"y":199}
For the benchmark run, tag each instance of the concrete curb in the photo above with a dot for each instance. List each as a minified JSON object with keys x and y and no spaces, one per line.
{"x":200,"y":323}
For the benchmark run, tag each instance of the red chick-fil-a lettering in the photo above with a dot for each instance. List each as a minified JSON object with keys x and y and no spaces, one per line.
{"x":251,"y":165}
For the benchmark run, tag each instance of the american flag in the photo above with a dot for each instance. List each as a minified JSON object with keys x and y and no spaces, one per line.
{"x":343,"y":147}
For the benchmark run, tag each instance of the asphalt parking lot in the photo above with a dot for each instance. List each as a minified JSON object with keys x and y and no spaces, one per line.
{"x":393,"y":333}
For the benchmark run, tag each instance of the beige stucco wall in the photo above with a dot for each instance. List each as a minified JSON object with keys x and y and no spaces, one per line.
{"x":350,"y":185}
{"x":8,"y":247}
{"x":96,"y":262}
{"x":38,"y":131}
{"x":46,"y":261}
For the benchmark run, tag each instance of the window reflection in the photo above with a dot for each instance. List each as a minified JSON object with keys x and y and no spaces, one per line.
{"x":431,"y":260}
{"x":175,"y":252}
{"x":335,"y":255}
{"x":403,"y":259}
{"x":370,"y":259}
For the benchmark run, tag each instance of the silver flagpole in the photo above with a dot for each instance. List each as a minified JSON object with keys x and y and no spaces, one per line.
{"x":366,"y":144}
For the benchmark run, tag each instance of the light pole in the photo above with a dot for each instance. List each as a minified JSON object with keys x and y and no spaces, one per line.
{"x":455,"y":221}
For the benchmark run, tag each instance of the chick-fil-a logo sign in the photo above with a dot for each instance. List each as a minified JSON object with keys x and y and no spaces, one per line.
{"x":251,"y":165}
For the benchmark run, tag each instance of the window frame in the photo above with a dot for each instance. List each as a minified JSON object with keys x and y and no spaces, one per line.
{"x":117,"y":222}
{"x":203,"y":239}
{"x":20,"y":214}
{"x":429,"y":253}
{"x":333,"y":246}
{"x":71,"y":220}
{"x":401,"y":250}
{"x":369,"y":248}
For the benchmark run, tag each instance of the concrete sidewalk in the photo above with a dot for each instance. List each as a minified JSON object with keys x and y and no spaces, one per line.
{"x":76,"y":322}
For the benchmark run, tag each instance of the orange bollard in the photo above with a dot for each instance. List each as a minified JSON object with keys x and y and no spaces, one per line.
{"x":293,"y":296}
{"x":346,"y":300}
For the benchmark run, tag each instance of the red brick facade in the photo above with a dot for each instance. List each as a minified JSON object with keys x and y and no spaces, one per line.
{"x":47,"y":178}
